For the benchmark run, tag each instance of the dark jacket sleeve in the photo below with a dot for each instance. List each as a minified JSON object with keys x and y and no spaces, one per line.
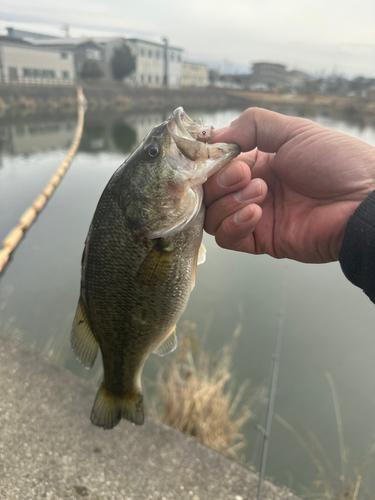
{"x":357,"y":255}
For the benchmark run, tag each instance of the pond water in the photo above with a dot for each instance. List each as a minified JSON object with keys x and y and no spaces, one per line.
{"x":328,"y":327}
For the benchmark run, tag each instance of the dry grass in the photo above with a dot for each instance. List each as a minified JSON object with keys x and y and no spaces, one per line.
{"x":330,"y":484}
{"x":196,"y":394}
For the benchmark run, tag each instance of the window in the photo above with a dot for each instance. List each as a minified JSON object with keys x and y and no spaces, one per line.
{"x":179,"y":58}
{"x":65,"y":75}
{"x":26,"y":72}
{"x":13,"y":74}
{"x":64,"y":55}
{"x":172,"y":56}
{"x":156,"y":79}
{"x":157,"y":54}
{"x":150,"y":54}
{"x":141,"y":78}
{"x":142,"y":52}
{"x":149,"y":79}
{"x":93,"y":54}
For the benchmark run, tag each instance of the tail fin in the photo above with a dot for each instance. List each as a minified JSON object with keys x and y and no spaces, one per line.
{"x":108,"y":409}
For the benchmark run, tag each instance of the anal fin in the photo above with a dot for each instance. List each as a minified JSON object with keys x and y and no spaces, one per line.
{"x":83,"y":342}
{"x":168,"y":345}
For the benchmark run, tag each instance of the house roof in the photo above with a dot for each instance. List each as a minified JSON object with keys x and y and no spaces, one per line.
{"x":64,"y":42}
{"x":13,"y":41}
{"x":9,"y":40}
{"x":150,"y":42}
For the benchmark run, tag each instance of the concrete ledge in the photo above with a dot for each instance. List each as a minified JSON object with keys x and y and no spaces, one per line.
{"x":49,"y":449}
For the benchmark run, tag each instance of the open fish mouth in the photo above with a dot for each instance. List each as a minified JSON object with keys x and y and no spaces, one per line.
{"x":187,"y":127}
{"x":190,"y":129}
{"x":190,"y":138}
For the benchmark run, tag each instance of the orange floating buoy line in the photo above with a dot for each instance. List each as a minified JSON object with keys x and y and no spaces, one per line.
{"x":16,"y":235}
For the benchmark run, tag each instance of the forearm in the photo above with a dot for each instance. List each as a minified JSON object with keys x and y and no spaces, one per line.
{"x":357,"y":255}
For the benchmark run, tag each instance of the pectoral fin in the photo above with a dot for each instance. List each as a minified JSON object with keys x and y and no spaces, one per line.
{"x":155,"y":268}
{"x":200,"y":258}
{"x":168,"y":345}
{"x":202,"y":254}
{"x":83,"y":342}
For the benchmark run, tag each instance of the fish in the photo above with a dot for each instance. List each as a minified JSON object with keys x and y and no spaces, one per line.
{"x":140,"y":258}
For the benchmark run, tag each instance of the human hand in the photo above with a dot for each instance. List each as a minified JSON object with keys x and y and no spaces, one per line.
{"x":303,"y":184}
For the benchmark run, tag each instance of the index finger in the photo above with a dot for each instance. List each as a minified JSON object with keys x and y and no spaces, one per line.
{"x":262,"y":129}
{"x":235,"y":176}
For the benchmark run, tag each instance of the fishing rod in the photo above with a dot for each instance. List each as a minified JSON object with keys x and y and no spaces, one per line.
{"x":275,"y":374}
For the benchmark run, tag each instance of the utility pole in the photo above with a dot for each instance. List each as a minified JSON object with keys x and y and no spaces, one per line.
{"x":66,"y":30}
{"x":166,"y":65}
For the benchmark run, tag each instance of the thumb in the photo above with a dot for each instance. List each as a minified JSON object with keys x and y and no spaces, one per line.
{"x":260,"y":128}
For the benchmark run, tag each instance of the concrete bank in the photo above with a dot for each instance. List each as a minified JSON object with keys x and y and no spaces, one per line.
{"x":49,"y":449}
{"x":34,"y":99}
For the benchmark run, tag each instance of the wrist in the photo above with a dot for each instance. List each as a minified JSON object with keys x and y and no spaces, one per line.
{"x":357,"y":252}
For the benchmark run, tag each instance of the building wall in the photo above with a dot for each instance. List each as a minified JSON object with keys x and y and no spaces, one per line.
{"x":108,"y":49}
{"x":149,"y":66}
{"x":30,"y":63}
{"x":87,"y":51}
{"x":174,"y":67}
{"x":269,"y":74}
{"x":194,"y":75}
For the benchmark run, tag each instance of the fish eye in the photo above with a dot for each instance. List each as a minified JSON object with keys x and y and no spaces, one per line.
{"x":153,"y":151}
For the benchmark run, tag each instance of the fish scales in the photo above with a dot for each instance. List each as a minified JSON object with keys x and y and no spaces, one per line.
{"x":139,"y":261}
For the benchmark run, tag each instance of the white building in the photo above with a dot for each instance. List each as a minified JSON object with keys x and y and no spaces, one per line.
{"x":81,"y":49}
{"x":194,"y":75}
{"x":152,"y":65}
{"x":21,"y":61}
{"x":157,"y":63}
{"x":174,"y":67}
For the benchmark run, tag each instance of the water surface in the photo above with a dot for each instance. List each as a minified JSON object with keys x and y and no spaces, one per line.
{"x":329,"y":324}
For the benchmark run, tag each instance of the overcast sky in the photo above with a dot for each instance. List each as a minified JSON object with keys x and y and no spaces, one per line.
{"x":315,"y":36}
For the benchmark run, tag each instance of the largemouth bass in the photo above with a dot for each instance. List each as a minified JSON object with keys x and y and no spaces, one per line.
{"x":140,"y":259}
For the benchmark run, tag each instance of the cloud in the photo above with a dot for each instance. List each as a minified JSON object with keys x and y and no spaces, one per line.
{"x":312,"y":35}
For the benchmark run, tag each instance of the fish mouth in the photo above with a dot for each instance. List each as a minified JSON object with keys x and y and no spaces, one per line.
{"x":187,"y":127}
{"x":203,"y":159}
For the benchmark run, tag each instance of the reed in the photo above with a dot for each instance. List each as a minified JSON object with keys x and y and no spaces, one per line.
{"x":330,"y":484}
{"x":197,"y":394}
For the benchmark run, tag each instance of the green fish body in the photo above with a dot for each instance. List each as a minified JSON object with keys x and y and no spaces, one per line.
{"x":139,"y":261}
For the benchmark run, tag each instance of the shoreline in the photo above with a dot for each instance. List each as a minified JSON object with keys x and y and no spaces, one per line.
{"x":23,"y":100}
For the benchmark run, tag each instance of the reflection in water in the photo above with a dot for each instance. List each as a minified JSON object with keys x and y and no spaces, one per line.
{"x":124,"y":137}
{"x":94,"y":137}
{"x":25,"y":138}
{"x":123,"y":133}
{"x":322,"y":309}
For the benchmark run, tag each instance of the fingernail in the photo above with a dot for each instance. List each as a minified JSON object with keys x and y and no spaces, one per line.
{"x":231,"y":176}
{"x":244,"y":215}
{"x":251,"y":191}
